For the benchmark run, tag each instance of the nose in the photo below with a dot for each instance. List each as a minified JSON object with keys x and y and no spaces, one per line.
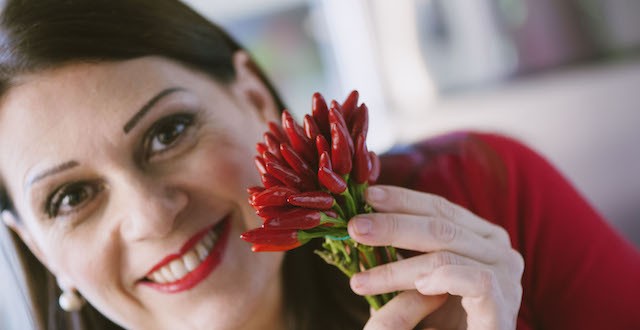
{"x":151,"y":209}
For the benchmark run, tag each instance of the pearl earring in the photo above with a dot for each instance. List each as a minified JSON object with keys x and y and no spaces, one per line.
{"x":70,"y":301}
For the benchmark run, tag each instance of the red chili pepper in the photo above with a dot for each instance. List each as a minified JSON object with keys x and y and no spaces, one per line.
{"x":260,"y":165}
{"x":274,"y":248}
{"x":325,"y":161}
{"x":318,"y":200}
{"x":332,"y":181}
{"x":269,"y":212}
{"x":336,"y":117}
{"x":261,"y":148}
{"x":266,"y":236}
{"x":375,"y":167}
{"x":284,"y":174}
{"x":277,"y":131}
{"x":297,"y":218}
{"x":255,"y":189}
{"x":272,"y":143}
{"x":336,"y":106}
{"x":300,"y":142}
{"x":310,"y":127}
{"x":361,"y":161}
{"x":274,"y":196}
{"x":322,"y":145}
{"x":296,"y":162}
{"x":340,"y":153}
{"x":269,"y":181}
{"x":360,"y":121}
{"x":349,"y":105}
{"x":320,"y":113}
{"x":268,"y":157}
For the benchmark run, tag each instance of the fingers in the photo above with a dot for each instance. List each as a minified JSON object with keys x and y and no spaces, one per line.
{"x":480,"y":291}
{"x":460,"y":280}
{"x":420,"y":233}
{"x":404,"y":311}
{"x":401,"y":275}
{"x":401,"y":200}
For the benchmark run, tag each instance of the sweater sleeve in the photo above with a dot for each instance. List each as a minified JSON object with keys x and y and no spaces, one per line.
{"x":579,"y":272}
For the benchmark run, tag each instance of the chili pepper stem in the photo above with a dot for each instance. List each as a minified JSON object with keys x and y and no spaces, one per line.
{"x":337,"y":222}
{"x":336,"y":207}
{"x":351,"y":206}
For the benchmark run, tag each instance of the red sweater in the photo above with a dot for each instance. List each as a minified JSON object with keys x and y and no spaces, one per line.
{"x":579,"y":273}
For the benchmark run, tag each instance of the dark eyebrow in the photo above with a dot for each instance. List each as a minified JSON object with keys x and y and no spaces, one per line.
{"x":145,"y":108}
{"x":53,"y":170}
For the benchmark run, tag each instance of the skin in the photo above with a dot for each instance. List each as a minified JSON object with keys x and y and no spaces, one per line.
{"x":467,"y":276}
{"x":141,"y":203}
{"x":144,"y":200}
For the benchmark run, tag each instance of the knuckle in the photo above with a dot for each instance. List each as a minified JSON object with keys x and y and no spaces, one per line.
{"x":404,"y":200}
{"x":388,"y":273}
{"x":393,"y":225}
{"x":517,"y":262}
{"x":444,"y":259}
{"x":486,"y":281}
{"x":502,"y":235}
{"x":442,"y":231}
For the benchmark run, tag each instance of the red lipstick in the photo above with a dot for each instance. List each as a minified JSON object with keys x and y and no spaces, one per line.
{"x":203,"y":270}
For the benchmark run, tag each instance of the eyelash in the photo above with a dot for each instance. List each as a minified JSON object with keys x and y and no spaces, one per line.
{"x":54,"y":202}
{"x":185,"y":120}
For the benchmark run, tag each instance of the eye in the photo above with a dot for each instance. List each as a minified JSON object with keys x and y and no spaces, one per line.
{"x":71,"y":198}
{"x":166,"y":133}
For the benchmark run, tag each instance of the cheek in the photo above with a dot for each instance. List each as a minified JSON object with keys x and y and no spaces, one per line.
{"x":225,"y":169}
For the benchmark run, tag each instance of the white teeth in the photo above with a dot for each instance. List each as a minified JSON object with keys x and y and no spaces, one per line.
{"x":166,"y":273}
{"x":202,"y":251}
{"x":208,"y":241}
{"x":191,"y":260}
{"x":177,"y":268}
{"x":160,"y":278}
{"x":180,"y":267}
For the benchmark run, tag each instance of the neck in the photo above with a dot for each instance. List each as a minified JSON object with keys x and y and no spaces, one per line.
{"x":270,"y":315}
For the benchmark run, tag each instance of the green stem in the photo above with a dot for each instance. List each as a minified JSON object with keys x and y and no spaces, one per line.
{"x":337,"y":223}
{"x":350,"y":204}
{"x":336,"y":207}
{"x":305,"y":235}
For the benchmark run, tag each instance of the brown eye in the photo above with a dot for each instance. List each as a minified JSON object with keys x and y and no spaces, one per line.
{"x":166,"y":133}
{"x":70,"y":198}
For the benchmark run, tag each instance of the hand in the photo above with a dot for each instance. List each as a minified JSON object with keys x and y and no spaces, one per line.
{"x":466,"y":276}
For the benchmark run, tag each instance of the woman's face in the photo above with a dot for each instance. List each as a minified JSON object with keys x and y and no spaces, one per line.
{"x":129,"y":179}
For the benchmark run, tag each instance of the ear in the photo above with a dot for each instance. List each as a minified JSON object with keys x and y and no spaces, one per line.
{"x":10,"y":221}
{"x":250,"y":86}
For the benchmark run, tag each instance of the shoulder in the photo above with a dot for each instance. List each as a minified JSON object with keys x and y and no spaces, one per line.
{"x":484,"y":172}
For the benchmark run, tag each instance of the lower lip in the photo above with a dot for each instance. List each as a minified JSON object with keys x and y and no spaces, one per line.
{"x":208,"y":265}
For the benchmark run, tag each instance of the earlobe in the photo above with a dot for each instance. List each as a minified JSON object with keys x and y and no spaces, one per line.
{"x":251,"y":87}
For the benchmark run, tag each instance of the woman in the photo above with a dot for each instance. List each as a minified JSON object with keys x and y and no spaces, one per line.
{"x":127,"y":131}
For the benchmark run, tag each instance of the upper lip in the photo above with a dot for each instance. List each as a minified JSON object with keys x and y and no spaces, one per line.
{"x":190,"y":243}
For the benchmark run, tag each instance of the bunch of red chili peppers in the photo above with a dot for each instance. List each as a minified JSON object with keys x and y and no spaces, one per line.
{"x":314,"y":179}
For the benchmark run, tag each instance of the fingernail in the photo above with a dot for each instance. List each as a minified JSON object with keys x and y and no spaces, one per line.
{"x":376,"y":194}
{"x":362,"y":226}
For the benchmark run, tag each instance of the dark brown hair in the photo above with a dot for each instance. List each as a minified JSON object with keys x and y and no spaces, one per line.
{"x":41,"y":34}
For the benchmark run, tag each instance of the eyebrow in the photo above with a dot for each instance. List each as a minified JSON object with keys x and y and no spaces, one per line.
{"x":148,"y":106}
{"x":54,"y":170}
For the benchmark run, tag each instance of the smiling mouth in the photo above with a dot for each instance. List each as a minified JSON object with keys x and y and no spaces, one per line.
{"x":199,"y":256}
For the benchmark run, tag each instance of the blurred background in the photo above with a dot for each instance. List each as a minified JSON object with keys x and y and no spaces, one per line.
{"x":563,"y":76}
{"x":560,"y":75}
